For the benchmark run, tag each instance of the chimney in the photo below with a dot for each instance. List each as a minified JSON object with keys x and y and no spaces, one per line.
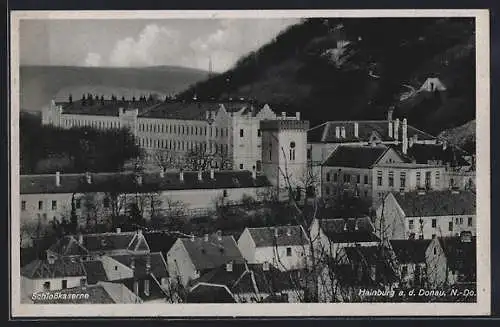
{"x":192,"y":238}
{"x":445,"y":145}
{"x":283,"y":115}
{"x":162,"y":172}
{"x":212,"y":173}
{"x":265,"y":266}
{"x":207,"y":115}
{"x":297,"y":115}
{"x":356,"y":129}
{"x":80,"y":239}
{"x":219,"y":235}
{"x":132,"y":263}
{"x":391,"y":135}
{"x":200,"y":178}
{"x":405,"y":136}
{"x":389,"y":113}
{"x":229,"y":266}
{"x":206,"y":237}
{"x":136,"y":287}
{"x":51,"y":260}
{"x":342,"y":132}
{"x":396,"y":129}
{"x":181,"y":175}
{"x":58,"y":179}
{"x":337,"y":132}
{"x":88,"y":177}
{"x":288,"y":231}
{"x":356,"y":227}
{"x":118,"y":230}
{"x":254,"y":173}
{"x":138,"y":179}
{"x":148,"y":264}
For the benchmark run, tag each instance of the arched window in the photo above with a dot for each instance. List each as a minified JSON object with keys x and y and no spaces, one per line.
{"x":292,"y":151}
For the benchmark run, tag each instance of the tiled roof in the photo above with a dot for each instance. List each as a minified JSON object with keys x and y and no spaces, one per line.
{"x":355,"y":156}
{"x":325,"y":133}
{"x":348,"y":230}
{"x":38,"y":269}
{"x":202,"y":293}
{"x":460,"y":256}
{"x":108,"y":108}
{"x":279,"y":236}
{"x":437,"y":203}
{"x":212,"y":253}
{"x":155,"y":290}
{"x":239,"y":280}
{"x":410,"y":251}
{"x":160,"y":241}
{"x":95,"y":271}
{"x":158,"y":266}
{"x":423,"y":153}
{"x":127,"y":182}
{"x":103,"y":242}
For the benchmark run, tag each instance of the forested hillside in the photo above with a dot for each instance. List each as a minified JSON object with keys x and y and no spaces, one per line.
{"x":385,"y":63}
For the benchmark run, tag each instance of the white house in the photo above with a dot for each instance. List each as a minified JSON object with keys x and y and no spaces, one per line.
{"x":285,"y":247}
{"x":426,"y":214}
{"x":189,"y":258}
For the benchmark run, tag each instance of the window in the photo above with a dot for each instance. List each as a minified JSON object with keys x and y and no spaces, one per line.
{"x":64,"y":284}
{"x":83,"y":282}
{"x":54,"y":205}
{"x":428,"y":179}
{"x":435,"y":251}
{"x":410,"y":224}
{"x":391,"y":178}
{"x":450,"y":226}
{"x":46,"y":286}
{"x":366,"y":179}
{"x":366,"y":194}
{"x":288,"y":251}
{"x":224,"y":193}
{"x":461,"y":220}
{"x":327,"y":177}
{"x":379,"y":178}
{"x":469,"y":221}
{"x":308,"y":153}
{"x":404,"y":271}
{"x":438,"y":177}
{"x":292,"y":150}
{"x":335,"y":177}
{"x":433,"y":235}
{"x":40,"y":205}
{"x":241,"y":166}
{"x":106,"y":202}
{"x":358,"y":178}
{"x":347,"y":178}
{"x":116,"y":267}
{"x":402,"y":180}
{"x":259,"y":133}
{"x":23,"y":205}
{"x":456,"y":220}
{"x":434,"y":223}
{"x":258,"y":164}
{"x":418,"y":179}
{"x":241,"y":132}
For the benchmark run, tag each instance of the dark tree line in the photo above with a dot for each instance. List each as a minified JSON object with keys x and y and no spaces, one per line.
{"x":82,"y":148}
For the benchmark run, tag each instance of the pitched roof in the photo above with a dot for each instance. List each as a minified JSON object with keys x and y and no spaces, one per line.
{"x":95,"y":271}
{"x":160,"y":241}
{"x":158,"y":266}
{"x":340,"y":230}
{"x":203,"y":293}
{"x":242,"y":276}
{"x":325,"y":133}
{"x":437,"y":203}
{"x":355,"y":156}
{"x":38,"y":269}
{"x":212,"y":253}
{"x":102,"y":242}
{"x":423,"y":153}
{"x":278,"y":236}
{"x":410,"y":251}
{"x":127,"y":182}
{"x":155,"y":290}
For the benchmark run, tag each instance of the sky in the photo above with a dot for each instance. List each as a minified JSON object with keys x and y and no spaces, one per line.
{"x":138,"y":43}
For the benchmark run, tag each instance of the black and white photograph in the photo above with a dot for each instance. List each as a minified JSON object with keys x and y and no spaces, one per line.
{"x":203,"y":163}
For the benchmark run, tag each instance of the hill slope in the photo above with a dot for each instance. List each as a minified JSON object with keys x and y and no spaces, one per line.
{"x":463,"y":136}
{"x":40,"y":84}
{"x":384,"y":64}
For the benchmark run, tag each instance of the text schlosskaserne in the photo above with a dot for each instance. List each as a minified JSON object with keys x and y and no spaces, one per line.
{"x":46,"y":296}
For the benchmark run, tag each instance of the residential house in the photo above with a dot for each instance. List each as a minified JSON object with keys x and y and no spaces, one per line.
{"x":452,"y":260}
{"x":210,"y":293}
{"x":410,"y":257}
{"x":252,"y":283}
{"x":331,"y":235}
{"x":51,"y":274}
{"x":426,"y":214}
{"x":285,"y":247}
{"x":191,"y":257}
{"x":103,"y":196}
{"x":100,"y":293}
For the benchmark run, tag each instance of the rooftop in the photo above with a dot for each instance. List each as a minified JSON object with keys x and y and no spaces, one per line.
{"x":279,"y":236}
{"x":209,"y":293}
{"x":437,"y":203}
{"x":355,"y":156}
{"x":95,"y":271}
{"x":128,"y":183}
{"x":155,"y":290}
{"x":347,"y":230}
{"x":214,"y":252}
{"x":158,"y":266}
{"x":39,"y":269}
{"x":326,"y":132}
{"x":423,"y":153}
{"x":410,"y":251}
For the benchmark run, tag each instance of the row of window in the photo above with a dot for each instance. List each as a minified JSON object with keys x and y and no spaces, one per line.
{"x":356,"y":178}
{"x":458,"y":221}
{"x":356,"y":192}
{"x":184,"y":129}
{"x":183,"y":145}
{"x":91,"y":123}
{"x":41,"y":205}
